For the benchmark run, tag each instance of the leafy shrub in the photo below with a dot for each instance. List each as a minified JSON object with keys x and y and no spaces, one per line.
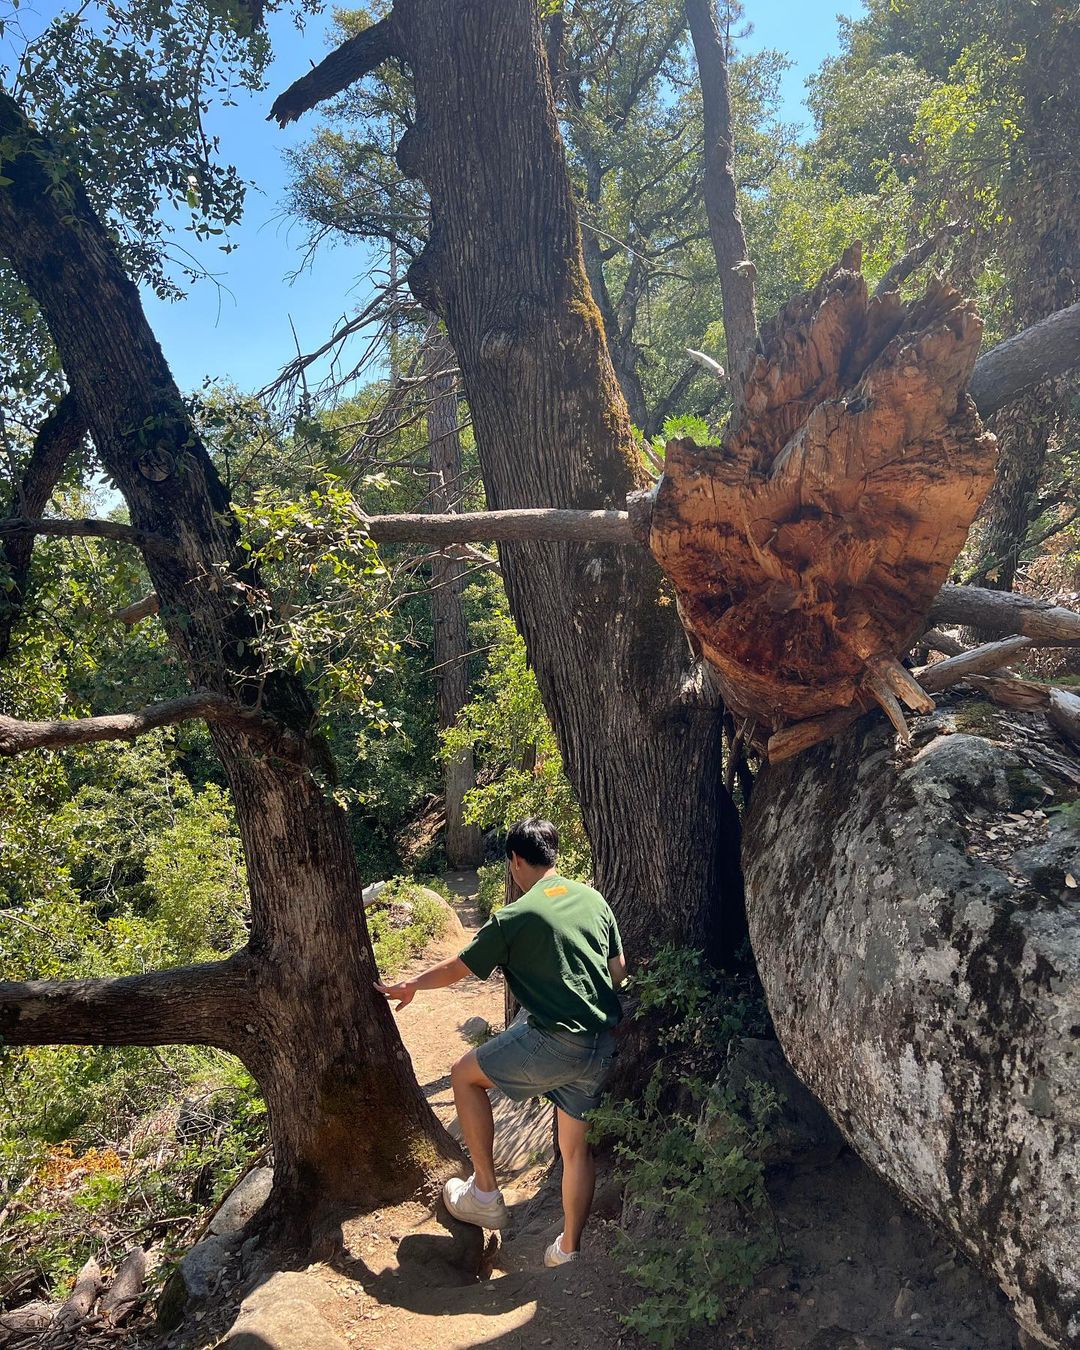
{"x":492,"y":889}
{"x":519,"y":768}
{"x":401,"y":924}
{"x":692,"y":1162}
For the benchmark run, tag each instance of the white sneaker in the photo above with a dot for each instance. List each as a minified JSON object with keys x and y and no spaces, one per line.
{"x":460,"y":1199}
{"x":555,"y":1256}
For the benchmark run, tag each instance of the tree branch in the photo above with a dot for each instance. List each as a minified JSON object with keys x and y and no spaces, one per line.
{"x":488,"y":527}
{"x":1046,"y":349}
{"x":141,"y":609}
{"x":57,"y":438}
{"x":792,"y":740}
{"x":16,"y":736}
{"x":143,"y":540}
{"x":189,"y":1005}
{"x":344,"y":66}
{"x":914,"y":258}
{"x":1003,"y":612}
{"x":736,"y":271}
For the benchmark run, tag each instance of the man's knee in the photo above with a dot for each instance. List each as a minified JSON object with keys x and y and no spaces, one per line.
{"x":573,"y":1137}
{"x":466,"y":1072}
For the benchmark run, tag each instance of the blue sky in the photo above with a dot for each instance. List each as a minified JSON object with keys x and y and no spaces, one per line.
{"x":242,"y":332}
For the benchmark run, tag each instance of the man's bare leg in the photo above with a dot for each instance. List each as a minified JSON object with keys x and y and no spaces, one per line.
{"x":578,"y":1178}
{"x":470,"y":1086}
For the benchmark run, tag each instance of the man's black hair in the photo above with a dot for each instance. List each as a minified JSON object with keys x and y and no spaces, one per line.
{"x":535,"y":840}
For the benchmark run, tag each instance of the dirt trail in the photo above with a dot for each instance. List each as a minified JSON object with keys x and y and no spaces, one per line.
{"x":858,"y":1271}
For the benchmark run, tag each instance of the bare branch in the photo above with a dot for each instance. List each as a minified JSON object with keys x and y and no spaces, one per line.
{"x":16,"y":736}
{"x":706,"y":362}
{"x":91,"y":529}
{"x":189,"y":1005}
{"x":57,"y":438}
{"x":488,"y":527}
{"x":736,"y":271}
{"x":914,"y":258}
{"x":991,"y":656}
{"x":792,"y":740}
{"x":141,"y":609}
{"x":1041,"y":352}
{"x":938,"y":641}
{"x":1003,"y":612}
{"x":344,"y":66}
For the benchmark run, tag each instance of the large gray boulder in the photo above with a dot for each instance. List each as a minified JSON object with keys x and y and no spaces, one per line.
{"x":916,"y":921}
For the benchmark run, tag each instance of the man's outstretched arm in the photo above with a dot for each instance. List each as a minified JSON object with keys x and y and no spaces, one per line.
{"x":438,"y":977}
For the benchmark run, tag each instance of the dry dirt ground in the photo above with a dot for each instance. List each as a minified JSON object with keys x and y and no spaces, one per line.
{"x":858,"y":1271}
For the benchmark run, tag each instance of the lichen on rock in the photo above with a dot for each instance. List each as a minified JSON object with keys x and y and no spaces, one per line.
{"x":919,"y":943}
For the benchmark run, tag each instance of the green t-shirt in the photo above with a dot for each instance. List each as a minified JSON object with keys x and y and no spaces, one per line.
{"x":553,"y":945}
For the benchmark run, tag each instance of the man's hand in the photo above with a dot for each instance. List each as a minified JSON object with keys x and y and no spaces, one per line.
{"x":438,"y":977}
{"x":402,"y":992}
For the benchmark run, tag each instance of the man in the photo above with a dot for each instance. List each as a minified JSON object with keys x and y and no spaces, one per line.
{"x":561,"y":953}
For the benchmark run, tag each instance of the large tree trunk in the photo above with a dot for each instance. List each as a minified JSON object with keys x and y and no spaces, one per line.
{"x":917,"y":929}
{"x":504,"y":269}
{"x":349,"y":1123}
{"x":461,"y":841}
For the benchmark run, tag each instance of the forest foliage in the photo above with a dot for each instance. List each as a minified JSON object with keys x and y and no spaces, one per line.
{"x":125,"y":857}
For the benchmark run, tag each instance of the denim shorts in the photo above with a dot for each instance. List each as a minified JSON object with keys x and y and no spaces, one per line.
{"x":566,"y":1067}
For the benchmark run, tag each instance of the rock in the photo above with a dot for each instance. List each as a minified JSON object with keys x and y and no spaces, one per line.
{"x":290,"y":1324}
{"x":372,"y":892}
{"x":476,"y":1030}
{"x":285,"y":1311}
{"x":453,"y":930}
{"x":193,"y":1280}
{"x":905,"y":1302}
{"x":245,"y":1201}
{"x":920,"y":953}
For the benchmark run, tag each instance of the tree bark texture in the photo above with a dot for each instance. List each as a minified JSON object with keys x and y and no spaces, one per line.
{"x":57,"y":439}
{"x":807,"y":547}
{"x":918,"y":938}
{"x":503,"y":268}
{"x":461,"y":841}
{"x":1024,"y":430}
{"x":349,"y":1123}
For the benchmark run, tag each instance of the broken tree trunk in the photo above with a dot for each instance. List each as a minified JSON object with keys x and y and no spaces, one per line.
{"x":807,"y":548}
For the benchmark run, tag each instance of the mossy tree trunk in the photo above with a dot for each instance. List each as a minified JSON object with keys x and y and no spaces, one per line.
{"x":503,"y":268}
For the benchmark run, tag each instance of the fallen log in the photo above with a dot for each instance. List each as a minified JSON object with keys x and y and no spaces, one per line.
{"x":126,"y":1288}
{"x":80,"y":1301}
{"x":999,"y":613}
{"x":1064,"y":714}
{"x":916,"y":923}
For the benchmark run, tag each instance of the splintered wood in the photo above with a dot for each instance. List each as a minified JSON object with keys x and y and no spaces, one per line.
{"x":807,"y":548}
